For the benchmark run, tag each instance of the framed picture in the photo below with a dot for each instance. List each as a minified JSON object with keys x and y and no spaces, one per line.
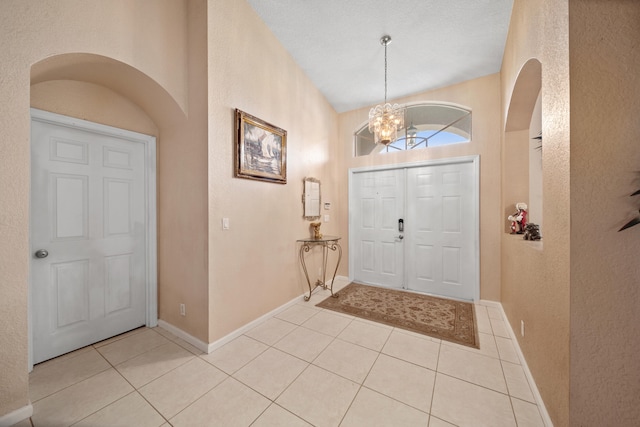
{"x":261,"y":149}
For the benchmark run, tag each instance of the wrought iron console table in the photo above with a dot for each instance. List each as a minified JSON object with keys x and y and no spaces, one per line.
{"x":327,"y":243}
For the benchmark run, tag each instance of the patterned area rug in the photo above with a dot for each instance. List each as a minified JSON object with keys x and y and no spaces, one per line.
{"x":437,"y":317}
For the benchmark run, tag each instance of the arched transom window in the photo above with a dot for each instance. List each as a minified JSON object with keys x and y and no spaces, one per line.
{"x":427,"y":125}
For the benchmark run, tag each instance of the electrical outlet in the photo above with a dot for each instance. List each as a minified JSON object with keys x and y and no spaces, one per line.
{"x":183,"y":310}
{"x":522,"y":328}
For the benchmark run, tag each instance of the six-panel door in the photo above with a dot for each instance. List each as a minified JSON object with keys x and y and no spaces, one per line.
{"x":378,"y":203}
{"x":440,"y":239}
{"x":88,"y":212}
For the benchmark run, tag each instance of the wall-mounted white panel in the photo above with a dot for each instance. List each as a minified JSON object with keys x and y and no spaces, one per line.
{"x":70,"y":212}
{"x":114,"y":158}
{"x":70,"y":282}
{"x":451,"y":214}
{"x":62,"y":150}
{"x":117,"y":207}
{"x":117,"y":282}
{"x":451,"y":265}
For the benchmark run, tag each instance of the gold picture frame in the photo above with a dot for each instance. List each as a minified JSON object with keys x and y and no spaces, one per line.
{"x":261,"y":149}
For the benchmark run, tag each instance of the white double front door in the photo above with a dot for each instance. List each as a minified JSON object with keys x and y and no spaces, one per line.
{"x":417,"y":228}
{"x":89,"y":225}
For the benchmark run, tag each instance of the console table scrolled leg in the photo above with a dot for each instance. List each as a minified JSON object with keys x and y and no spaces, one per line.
{"x":333,"y":247}
{"x":325,"y":256}
{"x":303,"y":249}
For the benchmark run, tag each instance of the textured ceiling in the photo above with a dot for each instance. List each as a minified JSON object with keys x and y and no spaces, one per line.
{"x":435,"y":43}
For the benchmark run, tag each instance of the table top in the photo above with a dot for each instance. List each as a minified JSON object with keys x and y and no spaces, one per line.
{"x":320,"y":240}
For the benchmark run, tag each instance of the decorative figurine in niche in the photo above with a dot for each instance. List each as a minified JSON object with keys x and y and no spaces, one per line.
{"x":316,"y":230}
{"x":518,"y":219}
{"x":532,"y":232}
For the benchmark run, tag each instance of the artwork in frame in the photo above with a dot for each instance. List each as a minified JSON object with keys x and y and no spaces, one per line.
{"x":261,"y":149}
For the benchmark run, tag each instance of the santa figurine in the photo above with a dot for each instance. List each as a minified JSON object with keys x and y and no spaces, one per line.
{"x":518,"y":219}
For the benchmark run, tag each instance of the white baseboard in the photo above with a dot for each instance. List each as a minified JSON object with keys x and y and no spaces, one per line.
{"x":235,"y":334}
{"x":209,"y":347}
{"x":534,"y":389}
{"x":200,"y":345}
{"x":14,"y":417}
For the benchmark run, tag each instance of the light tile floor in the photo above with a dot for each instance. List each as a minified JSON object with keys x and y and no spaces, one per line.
{"x":303,"y":367}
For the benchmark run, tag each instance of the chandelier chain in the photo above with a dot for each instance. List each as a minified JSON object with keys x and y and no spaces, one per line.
{"x":385,"y":72}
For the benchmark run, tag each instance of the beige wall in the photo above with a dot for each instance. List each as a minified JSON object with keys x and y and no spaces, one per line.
{"x":182,"y":194}
{"x":253,"y":267}
{"x":91,"y":102}
{"x":146,"y":64}
{"x":605,"y":160}
{"x":483,"y":97}
{"x":535,"y":276}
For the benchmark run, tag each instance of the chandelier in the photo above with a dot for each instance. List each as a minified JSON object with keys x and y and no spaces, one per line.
{"x":385,"y":120}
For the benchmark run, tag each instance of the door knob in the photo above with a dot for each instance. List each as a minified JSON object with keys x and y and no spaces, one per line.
{"x":41,"y":253}
{"x":400,"y":237}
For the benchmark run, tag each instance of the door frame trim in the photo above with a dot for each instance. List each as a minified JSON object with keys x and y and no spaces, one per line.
{"x":474,"y":159}
{"x":151,"y":244}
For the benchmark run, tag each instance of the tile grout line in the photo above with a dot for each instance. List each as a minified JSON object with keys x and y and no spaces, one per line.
{"x":272,"y":346}
{"x":435,"y":379}
{"x":134,"y":387}
{"x":110,"y":403}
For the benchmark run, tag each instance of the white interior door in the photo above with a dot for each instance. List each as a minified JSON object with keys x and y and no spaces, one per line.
{"x":437,"y":252}
{"x":440,"y":237}
{"x":89,"y":213}
{"x":377,"y":205}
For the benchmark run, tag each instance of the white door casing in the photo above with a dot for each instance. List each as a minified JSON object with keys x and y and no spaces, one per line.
{"x":377,"y":203}
{"x":441,"y":220}
{"x":93,"y":211}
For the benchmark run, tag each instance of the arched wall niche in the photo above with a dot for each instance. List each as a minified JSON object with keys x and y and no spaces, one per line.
{"x":519,"y":154}
{"x":117,"y":76}
{"x":524,"y":96}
